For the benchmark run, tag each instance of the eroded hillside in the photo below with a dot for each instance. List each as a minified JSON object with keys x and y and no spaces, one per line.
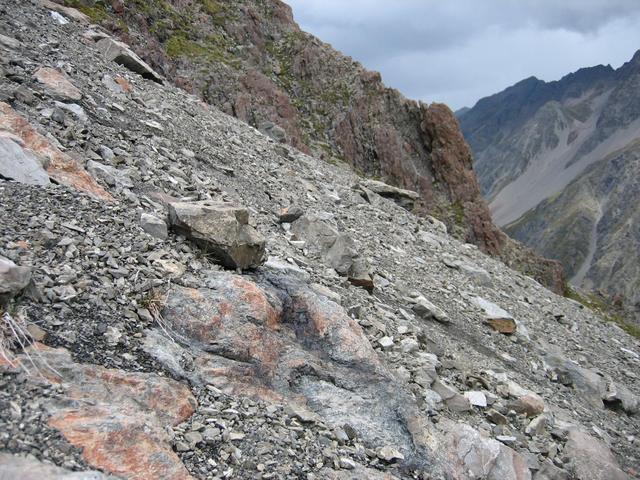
{"x":184,"y":297}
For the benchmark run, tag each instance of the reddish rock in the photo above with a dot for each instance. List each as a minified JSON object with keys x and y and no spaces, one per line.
{"x":471,"y":455}
{"x":57,"y":84}
{"x":126,"y":86}
{"x":591,"y":458}
{"x":61,"y":167}
{"x":117,"y":418}
{"x":274,"y":338}
{"x":530,"y":404}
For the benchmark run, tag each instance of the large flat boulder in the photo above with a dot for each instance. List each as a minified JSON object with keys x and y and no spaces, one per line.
{"x":404,"y":198}
{"x":120,"y":53}
{"x":221,"y":229}
{"x":20,"y":164}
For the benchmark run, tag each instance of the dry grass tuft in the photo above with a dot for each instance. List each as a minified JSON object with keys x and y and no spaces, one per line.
{"x":14,"y":337}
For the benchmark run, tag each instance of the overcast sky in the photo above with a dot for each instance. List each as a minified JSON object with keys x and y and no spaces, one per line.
{"x":458,"y":51}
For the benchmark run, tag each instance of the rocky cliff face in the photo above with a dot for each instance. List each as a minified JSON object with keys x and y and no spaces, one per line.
{"x":182,"y":297}
{"x":251,"y":60}
{"x":556,"y":161}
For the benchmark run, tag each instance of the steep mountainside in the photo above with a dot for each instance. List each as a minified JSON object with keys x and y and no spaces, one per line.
{"x":558,"y":162}
{"x":250,"y":59}
{"x":182,"y":297}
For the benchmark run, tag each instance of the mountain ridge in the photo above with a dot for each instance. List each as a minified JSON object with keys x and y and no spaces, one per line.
{"x":539,"y":163}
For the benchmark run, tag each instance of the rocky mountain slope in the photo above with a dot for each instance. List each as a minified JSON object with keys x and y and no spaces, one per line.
{"x":250,"y":59}
{"x":558,"y":162}
{"x":184,"y":297}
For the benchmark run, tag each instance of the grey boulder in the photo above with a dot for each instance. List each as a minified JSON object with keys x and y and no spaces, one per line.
{"x":120,"y":53}
{"x":20,"y":164}
{"x":13,"y":279}
{"x":221,"y":229}
{"x":154,"y":226}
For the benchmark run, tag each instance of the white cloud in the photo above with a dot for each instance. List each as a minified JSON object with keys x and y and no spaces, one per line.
{"x":461,"y":50}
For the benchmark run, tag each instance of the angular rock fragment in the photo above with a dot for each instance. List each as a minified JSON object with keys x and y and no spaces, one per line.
{"x":530,"y":405}
{"x":451,"y":397}
{"x":13,"y":280}
{"x":20,"y":164}
{"x":404,"y":198}
{"x":620,"y":397}
{"x":120,"y":53}
{"x":290,"y":214}
{"x":589,"y":385}
{"x":473,"y":456}
{"x":221,"y":229}
{"x":66,"y":11}
{"x":496,"y":317}
{"x":9,"y":43}
{"x":427,"y":310}
{"x":57,"y":84}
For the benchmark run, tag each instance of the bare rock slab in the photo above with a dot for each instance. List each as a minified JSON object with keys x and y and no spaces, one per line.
{"x":118,"y":418}
{"x":221,"y":229}
{"x":14,"y":467}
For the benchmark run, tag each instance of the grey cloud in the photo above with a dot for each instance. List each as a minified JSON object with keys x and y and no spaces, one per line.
{"x":459,"y":50}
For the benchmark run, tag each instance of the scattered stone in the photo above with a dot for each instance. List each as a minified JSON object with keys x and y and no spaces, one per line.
{"x":57,"y":84}
{"x":530,"y":405}
{"x":386,"y":342}
{"x":496,"y":317}
{"x":9,"y":43}
{"x":154,"y":226}
{"x":620,"y":397}
{"x":221,"y":229}
{"x":290,"y":214}
{"x":451,"y":397}
{"x":427,"y":310}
